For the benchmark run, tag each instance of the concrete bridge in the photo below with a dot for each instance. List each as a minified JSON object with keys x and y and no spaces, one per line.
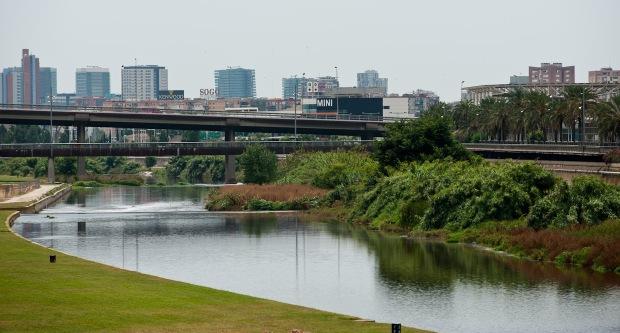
{"x":259,"y":122}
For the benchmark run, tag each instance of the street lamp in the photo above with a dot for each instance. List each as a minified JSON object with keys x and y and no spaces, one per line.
{"x":50,"y":162}
{"x":295,"y":107}
{"x":583,"y":117}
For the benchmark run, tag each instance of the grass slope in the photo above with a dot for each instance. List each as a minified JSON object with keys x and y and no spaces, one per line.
{"x":75,"y":295}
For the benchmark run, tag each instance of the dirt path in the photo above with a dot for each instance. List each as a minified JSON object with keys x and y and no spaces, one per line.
{"x":32,"y":195}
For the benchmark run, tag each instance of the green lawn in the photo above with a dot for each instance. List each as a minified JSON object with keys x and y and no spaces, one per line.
{"x":14,"y":179}
{"x":75,"y":295}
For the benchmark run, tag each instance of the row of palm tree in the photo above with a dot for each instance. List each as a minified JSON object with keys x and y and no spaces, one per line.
{"x":526,"y":116}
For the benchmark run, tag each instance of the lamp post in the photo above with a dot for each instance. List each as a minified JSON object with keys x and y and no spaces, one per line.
{"x":50,"y":162}
{"x":583,"y":117}
{"x":295,"y":114}
{"x":337,"y":105}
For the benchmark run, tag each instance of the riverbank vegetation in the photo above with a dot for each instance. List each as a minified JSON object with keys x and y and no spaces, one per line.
{"x":265,"y":197}
{"x":78,"y":295}
{"x":421,"y":181}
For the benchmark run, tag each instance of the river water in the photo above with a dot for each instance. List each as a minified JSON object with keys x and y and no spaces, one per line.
{"x":329,"y":266}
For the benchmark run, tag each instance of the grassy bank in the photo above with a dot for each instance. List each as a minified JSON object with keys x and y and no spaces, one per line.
{"x":75,"y":295}
{"x":265,"y":197}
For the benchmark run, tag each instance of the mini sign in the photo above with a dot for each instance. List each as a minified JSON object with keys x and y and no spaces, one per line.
{"x":395,"y":328}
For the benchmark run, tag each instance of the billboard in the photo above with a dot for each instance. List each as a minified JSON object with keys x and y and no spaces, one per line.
{"x":171,"y":95}
{"x":350,"y":105}
{"x":209,"y":93}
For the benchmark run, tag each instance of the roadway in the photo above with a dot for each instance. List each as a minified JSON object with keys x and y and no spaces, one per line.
{"x":258,"y":122}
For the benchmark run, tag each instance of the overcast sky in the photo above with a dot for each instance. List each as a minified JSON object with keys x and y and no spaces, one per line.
{"x":432,"y":45}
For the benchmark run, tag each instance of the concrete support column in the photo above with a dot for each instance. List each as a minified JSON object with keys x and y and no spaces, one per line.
{"x":51,"y":175}
{"x":81,"y":160}
{"x":229,"y":160}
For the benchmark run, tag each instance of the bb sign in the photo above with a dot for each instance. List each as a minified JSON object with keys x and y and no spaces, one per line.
{"x":171,"y":95}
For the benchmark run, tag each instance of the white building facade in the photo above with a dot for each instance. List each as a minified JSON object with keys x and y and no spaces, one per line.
{"x":143,"y":83}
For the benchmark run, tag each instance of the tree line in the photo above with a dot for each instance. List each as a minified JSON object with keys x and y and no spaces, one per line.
{"x":533,"y":116}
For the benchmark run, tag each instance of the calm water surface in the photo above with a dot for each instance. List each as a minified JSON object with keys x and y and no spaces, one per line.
{"x":329,"y":266}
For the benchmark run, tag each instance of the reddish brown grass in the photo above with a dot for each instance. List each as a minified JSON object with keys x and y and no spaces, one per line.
{"x":272,"y":192}
{"x":604,"y":251}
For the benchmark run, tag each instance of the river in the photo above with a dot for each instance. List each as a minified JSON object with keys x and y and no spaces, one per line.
{"x":330,"y":266}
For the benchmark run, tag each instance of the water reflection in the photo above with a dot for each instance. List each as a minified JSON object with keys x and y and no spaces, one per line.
{"x":332,"y":266}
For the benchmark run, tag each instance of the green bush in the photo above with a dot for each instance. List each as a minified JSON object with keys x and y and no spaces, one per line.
{"x":259,"y":164}
{"x":87,"y":183}
{"x":588,"y":200}
{"x":150,"y":161}
{"x":130,"y":167}
{"x":427,"y":138}
{"x":450,"y":194}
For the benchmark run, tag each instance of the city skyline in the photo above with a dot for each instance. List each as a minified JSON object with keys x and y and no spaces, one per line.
{"x":435,"y":51}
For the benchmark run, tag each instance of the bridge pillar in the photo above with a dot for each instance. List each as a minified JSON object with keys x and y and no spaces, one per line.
{"x":229,"y":160}
{"x":51,"y":175}
{"x":81,"y":160}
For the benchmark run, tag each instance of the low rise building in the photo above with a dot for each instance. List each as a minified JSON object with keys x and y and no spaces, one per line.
{"x":604,"y":75}
{"x":551,"y":73}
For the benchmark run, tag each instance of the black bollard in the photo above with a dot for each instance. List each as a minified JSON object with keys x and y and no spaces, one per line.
{"x":52,"y":259}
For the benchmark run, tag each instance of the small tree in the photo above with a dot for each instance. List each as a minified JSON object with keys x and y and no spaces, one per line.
{"x":426,"y":138}
{"x":259,"y":164}
{"x":150,"y":161}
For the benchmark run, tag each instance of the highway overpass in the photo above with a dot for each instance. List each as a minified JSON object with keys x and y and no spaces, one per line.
{"x":260,"y":122}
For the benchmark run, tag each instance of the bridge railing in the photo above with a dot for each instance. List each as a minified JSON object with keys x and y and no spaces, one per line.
{"x":184,"y":145}
{"x":569,"y":148}
{"x":253,"y":114}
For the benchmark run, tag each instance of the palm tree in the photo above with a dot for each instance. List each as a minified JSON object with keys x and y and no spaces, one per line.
{"x":517,"y":101}
{"x":607,"y":119}
{"x":573,"y":99}
{"x":538,"y":113}
{"x":495,"y":116}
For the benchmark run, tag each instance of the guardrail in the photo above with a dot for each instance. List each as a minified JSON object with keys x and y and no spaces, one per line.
{"x":168,"y":148}
{"x":568,"y":148}
{"x":236,"y":114}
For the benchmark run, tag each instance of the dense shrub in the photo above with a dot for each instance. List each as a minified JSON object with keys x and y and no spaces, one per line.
{"x":150,"y":161}
{"x":588,"y":200}
{"x":426,"y":138}
{"x":175,"y":166}
{"x":328,"y":169}
{"x":453,"y":194}
{"x":259,"y":164}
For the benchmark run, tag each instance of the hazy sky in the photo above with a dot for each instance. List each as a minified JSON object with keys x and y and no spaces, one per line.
{"x":431,"y":45}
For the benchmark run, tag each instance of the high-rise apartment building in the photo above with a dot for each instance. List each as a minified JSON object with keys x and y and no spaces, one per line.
{"x":93,"y":81}
{"x":143,"y":83}
{"x":12,"y":86}
{"x":605,"y":75}
{"x":551,"y":73}
{"x":371,"y":79}
{"x":30,"y":78}
{"x":308,"y":87}
{"x":235,"y":83}
{"x":47,"y":84}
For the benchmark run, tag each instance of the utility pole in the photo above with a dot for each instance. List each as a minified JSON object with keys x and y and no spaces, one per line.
{"x":295,"y":115}
{"x":50,"y":162}
{"x":337,"y":105}
{"x":583,"y":117}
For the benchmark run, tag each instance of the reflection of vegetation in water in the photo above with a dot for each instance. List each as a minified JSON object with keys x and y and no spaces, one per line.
{"x":258,"y":224}
{"x":428,"y":263}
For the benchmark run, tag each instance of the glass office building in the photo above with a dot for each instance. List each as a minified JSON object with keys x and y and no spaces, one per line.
{"x":235,"y":83}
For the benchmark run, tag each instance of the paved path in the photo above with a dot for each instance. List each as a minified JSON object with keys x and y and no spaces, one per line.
{"x":32,"y":195}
